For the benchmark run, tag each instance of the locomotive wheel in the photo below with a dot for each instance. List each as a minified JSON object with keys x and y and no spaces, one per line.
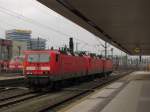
{"x":76,"y":81}
{"x":50,"y":86}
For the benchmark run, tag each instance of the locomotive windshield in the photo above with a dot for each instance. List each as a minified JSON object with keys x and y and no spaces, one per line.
{"x":40,"y":57}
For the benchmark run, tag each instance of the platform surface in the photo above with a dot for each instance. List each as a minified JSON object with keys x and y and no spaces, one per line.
{"x":9,"y":76}
{"x":129,"y":95}
{"x":135,"y":97}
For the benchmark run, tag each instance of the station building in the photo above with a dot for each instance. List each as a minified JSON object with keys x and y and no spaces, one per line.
{"x":5,"y":53}
{"x":5,"y":49}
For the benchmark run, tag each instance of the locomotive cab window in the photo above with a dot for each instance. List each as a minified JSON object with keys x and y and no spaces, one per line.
{"x":57,"y":57}
{"x":39,"y":57}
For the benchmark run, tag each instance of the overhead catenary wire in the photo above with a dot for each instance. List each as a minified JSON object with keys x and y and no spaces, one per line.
{"x":33,"y":22}
{"x":43,"y":35}
{"x":29,"y":20}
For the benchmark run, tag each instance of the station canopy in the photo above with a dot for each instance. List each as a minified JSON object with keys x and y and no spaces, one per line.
{"x":123,"y":23}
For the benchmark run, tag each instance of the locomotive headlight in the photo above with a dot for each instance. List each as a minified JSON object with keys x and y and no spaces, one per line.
{"x":29,"y":73}
{"x":45,"y":68}
{"x":30,"y":68}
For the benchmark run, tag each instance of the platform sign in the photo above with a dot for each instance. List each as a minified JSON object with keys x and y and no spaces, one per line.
{"x":137,"y":50}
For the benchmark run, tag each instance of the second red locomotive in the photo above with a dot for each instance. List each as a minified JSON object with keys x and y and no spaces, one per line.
{"x":16,"y":64}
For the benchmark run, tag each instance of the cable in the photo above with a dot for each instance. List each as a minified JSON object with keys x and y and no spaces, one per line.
{"x":29,"y":20}
{"x":43,"y":35}
{"x":18,"y":16}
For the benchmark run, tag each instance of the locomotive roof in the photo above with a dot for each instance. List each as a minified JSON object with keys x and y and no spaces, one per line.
{"x":60,"y":52}
{"x":42,"y":51}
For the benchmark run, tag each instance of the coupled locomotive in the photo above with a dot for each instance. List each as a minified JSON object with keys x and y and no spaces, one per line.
{"x":44,"y":67}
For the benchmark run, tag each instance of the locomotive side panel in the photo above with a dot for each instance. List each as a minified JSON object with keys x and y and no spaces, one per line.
{"x":70,"y":66}
{"x":96,"y":66}
{"x":108,"y":66}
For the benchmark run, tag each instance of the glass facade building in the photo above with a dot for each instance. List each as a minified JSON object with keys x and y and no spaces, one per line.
{"x":21,"y":35}
{"x":25,"y":36}
{"x":37,"y":43}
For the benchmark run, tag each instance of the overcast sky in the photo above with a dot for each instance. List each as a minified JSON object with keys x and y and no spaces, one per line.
{"x":45,"y":23}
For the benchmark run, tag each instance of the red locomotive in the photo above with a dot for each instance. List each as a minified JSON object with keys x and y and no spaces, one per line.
{"x":16,"y":64}
{"x":46,"y":67}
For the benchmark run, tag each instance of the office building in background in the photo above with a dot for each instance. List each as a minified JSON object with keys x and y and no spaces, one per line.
{"x":37,"y":43}
{"x":25,"y":36}
{"x":20,"y":35}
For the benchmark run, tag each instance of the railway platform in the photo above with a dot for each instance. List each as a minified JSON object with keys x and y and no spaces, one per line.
{"x":9,"y":76}
{"x":10,"y":79}
{"x":129,"y":94}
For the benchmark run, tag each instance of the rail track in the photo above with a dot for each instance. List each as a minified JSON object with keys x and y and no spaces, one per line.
{"x":19,"y":98}
{"x":12,"y":96}
{"x":5,"y":89}
{"x":12,"y":93}
{"x":42,"y":102}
